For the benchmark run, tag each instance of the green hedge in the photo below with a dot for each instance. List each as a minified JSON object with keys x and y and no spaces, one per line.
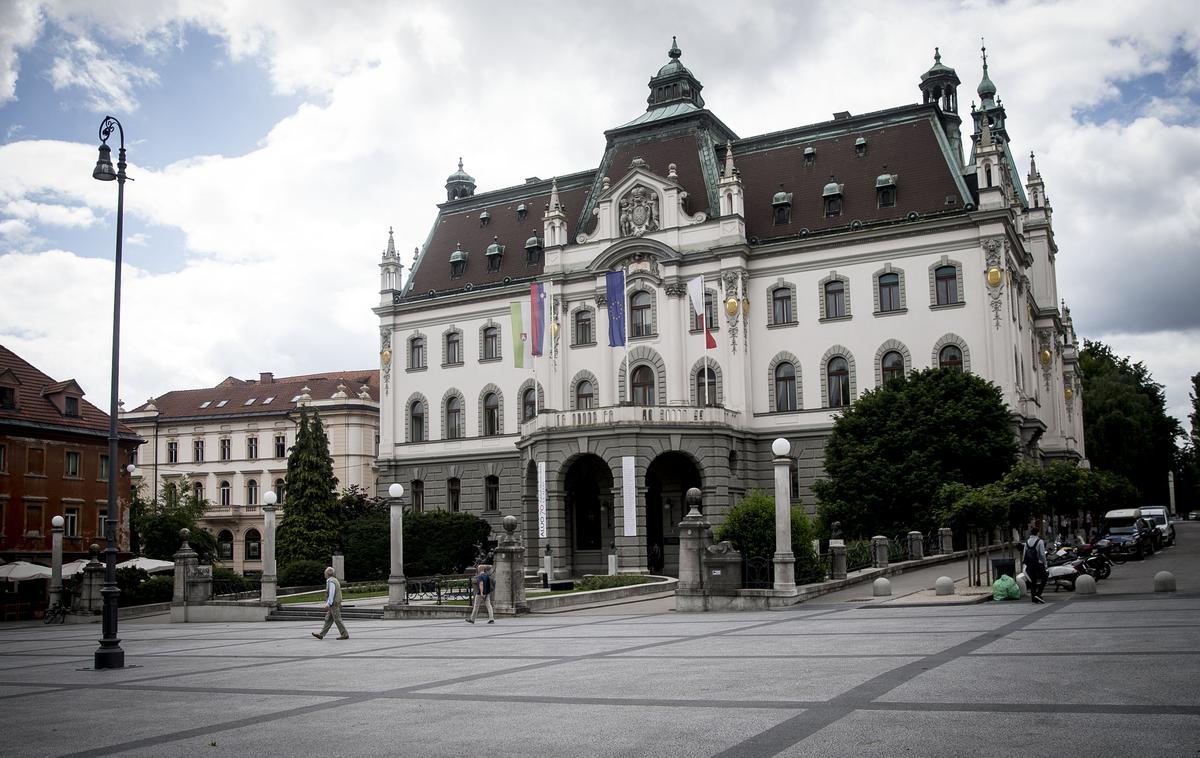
{"x":608,"y":582}
{"x":750,"y":526}
{"x":302,"y":573}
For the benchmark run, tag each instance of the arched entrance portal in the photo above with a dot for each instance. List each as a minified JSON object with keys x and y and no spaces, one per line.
{"x":588,"y":499}
{"x":667,"y":481}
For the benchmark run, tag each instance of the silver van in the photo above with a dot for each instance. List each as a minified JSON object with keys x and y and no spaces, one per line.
{"x":1157,"y":515}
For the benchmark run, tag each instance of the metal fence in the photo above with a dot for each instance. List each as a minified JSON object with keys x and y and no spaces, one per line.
{"x":758,"y":573}
{"x":858,"y":555}
{"x":237,"y":588}
{"x":439,"y":589}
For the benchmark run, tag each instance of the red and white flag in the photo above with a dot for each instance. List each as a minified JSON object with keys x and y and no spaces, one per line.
{"x":696,"y":295}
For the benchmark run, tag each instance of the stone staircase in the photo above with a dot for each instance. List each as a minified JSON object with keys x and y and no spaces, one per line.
{"x":297,"y":613}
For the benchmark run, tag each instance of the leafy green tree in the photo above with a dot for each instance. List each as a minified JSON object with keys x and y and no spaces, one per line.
{"x":441,"y":542}
{"x":750,"y":527}
{"x":893,"y":449}
{"x":309,"y":527}
{"x":1187,"y":464}
{"x":158,"y":522}
{"x":366,"y":535}
{"x":1126,"y":428}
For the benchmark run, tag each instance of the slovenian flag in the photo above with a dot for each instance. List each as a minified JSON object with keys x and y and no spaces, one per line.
{"x":615,"y":294}
{"x":537,"y":310}
{"x":696,"y":295}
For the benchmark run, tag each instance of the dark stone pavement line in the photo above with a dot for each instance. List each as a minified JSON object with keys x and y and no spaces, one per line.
{"x":1051,"y":708}
{"x":798,"y":728}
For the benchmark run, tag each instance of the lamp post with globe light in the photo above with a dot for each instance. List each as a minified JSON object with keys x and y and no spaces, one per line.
{"x":267,"y":591}
{"x":785,"y":559}
{"x":110,"y":655}
{"x":397,"y":585}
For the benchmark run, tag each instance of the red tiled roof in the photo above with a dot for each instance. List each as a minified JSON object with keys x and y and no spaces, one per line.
{"x":33,"y":392}
{"x":236,"y":392}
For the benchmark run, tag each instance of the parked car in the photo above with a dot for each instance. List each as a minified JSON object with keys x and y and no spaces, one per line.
{"x":1157,"y":516}
{"x":1128,"y":533}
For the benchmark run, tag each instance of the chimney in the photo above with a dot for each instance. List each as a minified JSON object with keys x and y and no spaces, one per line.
{"x":266,"y":377}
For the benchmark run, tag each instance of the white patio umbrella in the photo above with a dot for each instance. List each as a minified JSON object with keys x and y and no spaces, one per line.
{"x":20,"y":571}
{"x":74,"y":567}
{"x":151,"y":565}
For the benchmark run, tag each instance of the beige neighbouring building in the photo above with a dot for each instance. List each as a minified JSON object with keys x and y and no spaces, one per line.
{"x":232,"y":441}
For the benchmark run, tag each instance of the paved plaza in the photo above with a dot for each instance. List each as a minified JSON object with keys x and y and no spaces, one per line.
{"x":1107,"y":675}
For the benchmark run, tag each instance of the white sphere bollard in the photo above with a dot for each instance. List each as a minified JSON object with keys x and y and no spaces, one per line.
{"x":1164,"y":581}
{"x":882,"y":587}
{"x":1085,"y":585}
{"x":944,"y":586}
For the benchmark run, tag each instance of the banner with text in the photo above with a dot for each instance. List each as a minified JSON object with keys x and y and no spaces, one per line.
{"x":541,"y":495}
{"x":629,"y":496}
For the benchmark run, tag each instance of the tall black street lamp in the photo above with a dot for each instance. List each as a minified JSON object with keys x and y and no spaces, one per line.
{"x":110,"y":655}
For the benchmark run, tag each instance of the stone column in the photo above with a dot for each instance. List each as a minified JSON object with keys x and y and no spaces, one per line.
{"x":945,"y":541}
{"x":269,"y":588}
{"x":186,"y":560}
{"x":90,"y":600}
{"x":693,"y":531}
{"x":339,"y":566}
{"x":397,"y":584}
{"x":879,"y":551}
{"x":785,"y":559}
{"x":837,"y":559}
{"x":56,"y":538}
{"x":916,"y":546}
{"x":510,"y":581}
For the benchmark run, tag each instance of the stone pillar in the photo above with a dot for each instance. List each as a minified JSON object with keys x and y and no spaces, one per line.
{"x":916,"y":546}
{"x":56,"y":538}
{"x":90,"y":600}
{"x":785,"y":559}
{"x":186,"y":559}
{"x":510,"y":580}
{"x":879,"y":551}
{"x":945,"y":541}
{"x":837,"y":559}
{"x":269,"y":588}
{"x":693,"y":533}
{"x":397,"y":584}
{"x":339,"y":566}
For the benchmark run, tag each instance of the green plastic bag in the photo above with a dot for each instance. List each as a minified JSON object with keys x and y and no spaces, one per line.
{"x":1006,"y":588}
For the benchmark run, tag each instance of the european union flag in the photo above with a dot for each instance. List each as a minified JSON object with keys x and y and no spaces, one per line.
{"x":615,"y":283}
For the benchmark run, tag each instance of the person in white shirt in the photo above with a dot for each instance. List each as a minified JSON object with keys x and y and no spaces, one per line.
{"x":333,"y":606}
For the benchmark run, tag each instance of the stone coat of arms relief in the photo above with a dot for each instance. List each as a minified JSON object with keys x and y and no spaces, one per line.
{"x":639,"y":212}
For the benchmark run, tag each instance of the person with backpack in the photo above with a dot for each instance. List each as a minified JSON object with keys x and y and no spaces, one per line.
{"x":482,"y":585}
{"x":1034,"y":560}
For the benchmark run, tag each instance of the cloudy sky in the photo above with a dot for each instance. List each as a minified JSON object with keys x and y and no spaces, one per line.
{"x":272,"y":145}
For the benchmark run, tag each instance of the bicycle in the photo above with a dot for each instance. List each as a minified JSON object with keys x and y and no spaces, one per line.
{"x":55,"y":614}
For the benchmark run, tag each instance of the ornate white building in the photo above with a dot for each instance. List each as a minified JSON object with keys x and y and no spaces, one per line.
{"x":231,"y":442}
{"x":833,"y":256}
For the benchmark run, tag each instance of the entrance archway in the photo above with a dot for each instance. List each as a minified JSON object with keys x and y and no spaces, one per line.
{"x":668,"y":479}
{"x":587,"y":492}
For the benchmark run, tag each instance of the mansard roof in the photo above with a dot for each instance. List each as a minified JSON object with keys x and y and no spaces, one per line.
{"x":244,"y":397}
{"x":34,"y":407}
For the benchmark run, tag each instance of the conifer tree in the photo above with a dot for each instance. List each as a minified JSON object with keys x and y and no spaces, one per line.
{"x":308,"y":528}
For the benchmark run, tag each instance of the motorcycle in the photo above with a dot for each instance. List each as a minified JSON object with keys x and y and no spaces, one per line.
{"x":1095,"y":558}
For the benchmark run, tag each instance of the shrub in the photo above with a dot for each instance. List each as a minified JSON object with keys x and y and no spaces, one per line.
{"x":603,"y":582}
{"x":368,"y":546}
{"x":750,"y":526}
{"x":302,"y":573}
{"x":157,"y":589}
{"x":441,"y":542}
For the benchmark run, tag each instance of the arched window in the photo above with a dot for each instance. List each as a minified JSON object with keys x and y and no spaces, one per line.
{"x":198,"y":491}
{"x":950,"y":357}
{"x":835,"y":299}
{"x":839,"y":382}
{"x":253,"y":545}
{"x":640,"y":306}
{"x":889,"y":292}
{"x":416,"y":353}
{"x":491,"y":493}
{"x":892,"y":366}
{"x":491,"y":414}
{"x":583,"y":327}
{"x":454,"y":353}
{"x":223,"y":496}
{"x":279,"y":491}
{"x":529,"y":404}
{"x":251,"y":492}
{"x":785,"y":387}
{"x":416,"y":421}
{"x":946,"y":282}
{"x":585,"y":395}
{"x":454,"y":420}
{"x":643,"y":386}
{"x":225,"y":545}
{"x":491,"y":343}
{"x":706,"y":387}
{"x":781,"y":306}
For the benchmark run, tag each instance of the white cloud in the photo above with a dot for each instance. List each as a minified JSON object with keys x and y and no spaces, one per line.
{"x":139,"y":239}
{"x":48,"y":213}
{"x":108,"y":83}
{"x":20,"y":23}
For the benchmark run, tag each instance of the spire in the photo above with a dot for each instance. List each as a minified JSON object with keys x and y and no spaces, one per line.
{"x":554,"y":205}
{"x":1034,"y":176}
{"x":729,"y":169}
{"x":674,"y":84}
{"x":986,"y":90}
{"x":390,"y":252}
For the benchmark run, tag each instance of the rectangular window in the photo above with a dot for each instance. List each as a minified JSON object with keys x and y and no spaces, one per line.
{"x":946,"y":281}
{"x":454,"y":348}
{"x":71,"y":469}
{"x":416,"y":353}
{"x":172,"y":452}
{"x":453,"y":491}
{"x":198,"y":451}
{"x":102,"y":524}
{"x":253,"y":550}
{"x":889,"y":293}
{"x":71,"y":522}
{"x":103,"y":467}
{"x":226,"y":449}
{"x":781,"y":306}
{"x":72,"y":406}
{"x":35,"y":461}
{"x":418,"y":496}
{"x":280,"y":446}
{"x":491,"y":491}
{"x":33,"y":521}
{"x":583,"y":328}
{"x":251,"y":448}
{"x":8,"y":397}
{"x":835,"y":300}
{"x":3,"y":458}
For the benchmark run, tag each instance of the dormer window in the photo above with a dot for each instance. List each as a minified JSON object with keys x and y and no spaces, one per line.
{"x":810,"y":156}
{"x":533,"y":250}
{"x":8,"y":397}
{"x":495,"y":253}
{"x":860,"y":147}
{"x":484,"y":218}
{"x":781,"y":206}
{"x":885,"y":190}
{"x":458,"y":262}
{"x":832,"y":194}
{"x":522,"y":212}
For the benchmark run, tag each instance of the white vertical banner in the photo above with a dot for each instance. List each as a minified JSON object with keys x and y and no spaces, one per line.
{"x":628,"y":496}
{"x":541,"y":485}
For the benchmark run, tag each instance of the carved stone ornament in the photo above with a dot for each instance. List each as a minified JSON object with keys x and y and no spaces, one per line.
{"x":991,"y":250}
{"x":639,"y":212}
{"x":385,"y":357}
{"x":675,"y":289}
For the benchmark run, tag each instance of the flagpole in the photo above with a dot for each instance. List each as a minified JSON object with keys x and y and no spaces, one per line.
{"x":628,"y":314}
